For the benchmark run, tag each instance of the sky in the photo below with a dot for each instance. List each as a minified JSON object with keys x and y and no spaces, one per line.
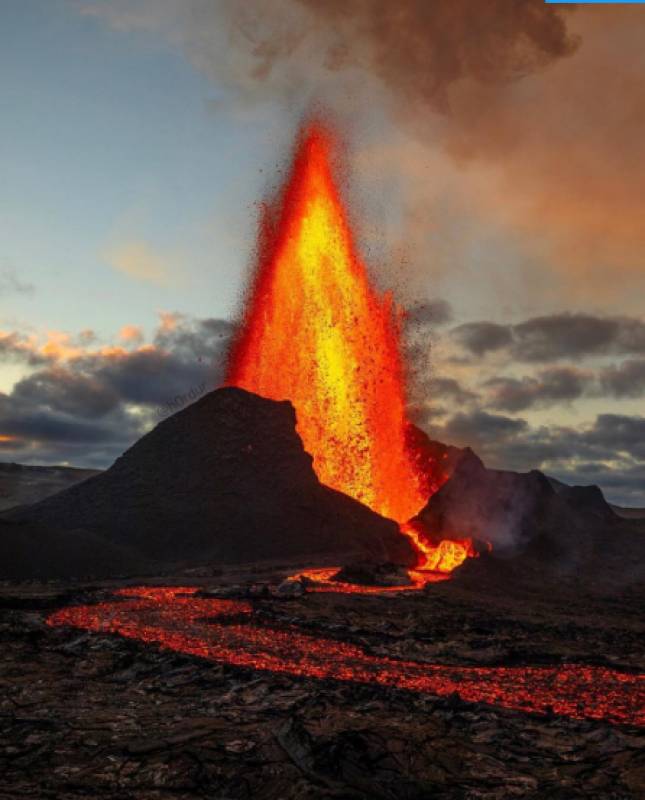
{"x":496,"y":167}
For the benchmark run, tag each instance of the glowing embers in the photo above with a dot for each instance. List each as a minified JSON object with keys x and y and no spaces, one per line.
{"x":444,"y":556}
{"x":174,"y":618}
{"x":322,"y":581}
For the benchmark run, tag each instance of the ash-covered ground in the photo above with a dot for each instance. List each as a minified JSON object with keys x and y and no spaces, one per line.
{"x":95,"y":715}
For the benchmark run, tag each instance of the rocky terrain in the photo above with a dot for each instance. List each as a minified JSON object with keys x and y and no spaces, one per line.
{"x":277,"y":687}
{"x":95,"y":715}
{"x":539,"y":529}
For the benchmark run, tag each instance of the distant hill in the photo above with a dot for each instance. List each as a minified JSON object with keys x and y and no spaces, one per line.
{"x":541,"y":530}
{"x":629,"y":513}
{"x":23,"y":485}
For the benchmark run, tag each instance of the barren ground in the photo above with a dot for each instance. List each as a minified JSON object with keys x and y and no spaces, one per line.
{"x":94,"y":715}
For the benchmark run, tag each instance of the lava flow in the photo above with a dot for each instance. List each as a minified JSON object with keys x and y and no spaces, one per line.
{"x":174,"y":618}
{"x":315,"y":332}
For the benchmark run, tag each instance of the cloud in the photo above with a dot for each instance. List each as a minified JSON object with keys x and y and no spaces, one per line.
{"x":56,"y":346}
{"x":84,"y":405}
{"x":424,"y":395}
{"x":624,"y":433}
{"x":138,"y":260}
{"x":131,"y":333}
{"x":624,"y":380}
{"x":609,"y":451}
{"x":451,"y":389}
{"x":416,"y":49}
{"x":482,"y":337}
{"x":429,"y":313}
{"x":201,"y":339}
{"x":420,"y":49}
{"x":65,"y":391}
{"x":556,"y":336}
{"x":481,"y":427}
{"x":549,"y":387}
{"x":11,"y":283}
{"x":576,"y":335}
{"x":16,"y":347}
{"x":36,"y":425}
{"x":149,"y":376}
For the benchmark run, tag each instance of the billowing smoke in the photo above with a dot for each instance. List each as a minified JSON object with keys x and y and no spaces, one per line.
{"x":420,"y":48}
{"x":538,"y":110}
{"x":416,"y":48}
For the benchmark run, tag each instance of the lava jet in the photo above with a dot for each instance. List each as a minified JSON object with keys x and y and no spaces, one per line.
{"x":317,"y":333}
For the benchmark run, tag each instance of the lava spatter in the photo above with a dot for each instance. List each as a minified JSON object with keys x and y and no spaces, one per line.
{"x":317,"y":333}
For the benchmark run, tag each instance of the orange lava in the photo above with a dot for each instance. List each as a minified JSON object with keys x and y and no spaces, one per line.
{"x":316,"y":332}
{"x":445,"y":556}
{"x":322,"y":581}
{"x":175,"y":619}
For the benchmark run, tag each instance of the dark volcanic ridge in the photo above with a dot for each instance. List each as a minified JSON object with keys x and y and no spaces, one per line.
{"x":539,"y":528}
{"x":225,"y":480}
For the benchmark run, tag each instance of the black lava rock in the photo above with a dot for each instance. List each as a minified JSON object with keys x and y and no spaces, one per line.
{"x":225,"y":480}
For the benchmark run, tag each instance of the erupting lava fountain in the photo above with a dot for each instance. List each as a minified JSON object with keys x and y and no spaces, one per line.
{"x":316,"y":332}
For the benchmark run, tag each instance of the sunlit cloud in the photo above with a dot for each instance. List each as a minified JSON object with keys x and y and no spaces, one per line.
{"x":140,"y":261}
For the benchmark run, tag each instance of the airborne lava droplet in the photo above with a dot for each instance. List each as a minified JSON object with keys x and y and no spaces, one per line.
{"x":316,"y":332}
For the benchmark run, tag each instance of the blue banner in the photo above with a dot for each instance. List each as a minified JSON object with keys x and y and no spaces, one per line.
{"x":595,"y":2}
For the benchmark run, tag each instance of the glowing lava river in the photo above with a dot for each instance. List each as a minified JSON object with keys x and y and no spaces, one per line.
{"x":224,"y":631}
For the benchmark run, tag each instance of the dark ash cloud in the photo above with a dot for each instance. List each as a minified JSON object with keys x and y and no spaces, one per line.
{"x":419,"y":49}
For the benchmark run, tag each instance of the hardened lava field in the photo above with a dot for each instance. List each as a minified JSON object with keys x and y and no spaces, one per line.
{"x":174,"y":618}
{"x":448,"y":692}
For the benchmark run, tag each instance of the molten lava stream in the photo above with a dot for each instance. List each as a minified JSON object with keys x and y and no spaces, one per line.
{"x":175,"y":619}
{"x":322,"y":580}
{"x":316,"y":333}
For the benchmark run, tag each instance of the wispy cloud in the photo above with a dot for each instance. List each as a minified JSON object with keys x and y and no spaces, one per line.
{"x":12,"y":283}
{"x":141,"y":261}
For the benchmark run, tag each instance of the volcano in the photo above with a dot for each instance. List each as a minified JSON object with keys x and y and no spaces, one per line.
{"x":225,"y":480}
